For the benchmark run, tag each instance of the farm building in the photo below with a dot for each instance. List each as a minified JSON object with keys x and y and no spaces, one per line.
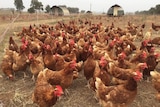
{"x":115,"y":10}
{"x":59,"y":11}
{"x":89,"y":12}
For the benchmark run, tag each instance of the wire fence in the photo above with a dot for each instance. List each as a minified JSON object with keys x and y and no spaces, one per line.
{"x":8,"y":27}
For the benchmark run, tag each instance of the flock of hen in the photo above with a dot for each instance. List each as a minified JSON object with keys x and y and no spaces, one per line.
{"x":107,"y":55}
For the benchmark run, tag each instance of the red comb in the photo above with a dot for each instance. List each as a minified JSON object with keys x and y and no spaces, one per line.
{"x":58,"y":91}
{"x":103,"y":61}
{"x":53,"y":34}
{"x":95,"y":35}
{"x":145,"y":65}
{"x":145,"y":42}
{"x":111,"y":44}
{"x":30,"y":56}
{"x":102,"y":58}
{"x":156,"y":55}
{"x":90,"y":49}
{"x":23,"y":40}
{"x":71,"y":42}
{"x":122,"y":55}
{"x":63,"y":34}
{"x":59,"y":87}
{"x":144,"y":54}
{"x":138,"y":75}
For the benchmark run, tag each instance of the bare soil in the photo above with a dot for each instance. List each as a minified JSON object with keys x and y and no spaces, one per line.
{"x":17,"y":93}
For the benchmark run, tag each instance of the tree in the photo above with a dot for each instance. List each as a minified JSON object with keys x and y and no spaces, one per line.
{"x":19,"y":5}
{"x":73,"y":10}
{"x":48,"y":8}
{"x":151,"y":10}
{"x":31,"y":10}
{"x":36,"y":5}
{"x":82,"y":11}
{"x":157,"y":9}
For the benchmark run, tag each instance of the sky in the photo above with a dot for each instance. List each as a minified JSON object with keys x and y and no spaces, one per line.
{"x":93,"y":5}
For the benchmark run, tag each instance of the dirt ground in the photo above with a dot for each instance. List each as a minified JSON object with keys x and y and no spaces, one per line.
{"x":17,"y":93}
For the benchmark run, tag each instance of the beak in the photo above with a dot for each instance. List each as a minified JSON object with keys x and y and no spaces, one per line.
{"x":134,"y":73}
{"x":55,"y":89}
{"x":62,"y":92}
{"x":27,"y":61}
{"x":11,"y":77}
{"x":145,"y":65}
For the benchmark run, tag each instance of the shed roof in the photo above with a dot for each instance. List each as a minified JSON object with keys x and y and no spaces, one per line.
{"x":115,"y":10}
{"x":65,"y":10}
{"x":116,"y":5}
{"x":62,"y":9}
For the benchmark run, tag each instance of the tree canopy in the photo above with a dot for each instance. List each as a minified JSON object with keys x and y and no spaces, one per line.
{"x":73,"y":10}
{"x":48,"y":8}
{"x":152,"y":10}
{"x":31,"y":10}
{"x":35,"y":5}
{"x":19,"y":5}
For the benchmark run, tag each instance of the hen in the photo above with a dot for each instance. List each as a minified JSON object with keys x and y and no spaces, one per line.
{"x":61,"y":62}
{"x":20,"y":60}
{"x":36,"y":64}
{"x":84,"y":52}
{"x":89,"y":66}
{"x":155,"y":41}
{"x":122,"y":62}
{"x":70,"y":56}
{"x":6,"y":64}
{"x":63,"y":77}
{"x":101,"y":73}
{"x":146,"y":45}
{"x":12,"y":45}
{"x":35,"y":46}
{"x":48,"y":57}
{"x":140,"y":57}
{"x":46,"y":95}
{"x":155,"y":27}
{"x":152,"y":62}
{"x":143,"y":26}
{"x":124,"y":73}
{"x":156,"y":82}
{"x":118,"y":95}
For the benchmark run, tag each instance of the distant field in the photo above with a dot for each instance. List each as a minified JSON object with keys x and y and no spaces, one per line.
{"x":25,"y":19}
{"x":7,"y":17}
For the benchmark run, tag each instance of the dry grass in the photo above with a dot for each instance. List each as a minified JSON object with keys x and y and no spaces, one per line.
{"x":18,"y":93}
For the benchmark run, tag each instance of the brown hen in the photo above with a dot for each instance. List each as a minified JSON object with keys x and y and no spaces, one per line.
{"x":63,"y":77}
{"x":118,"y":95}
{"x":156,"y":82}
{"x":45,"y":94}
